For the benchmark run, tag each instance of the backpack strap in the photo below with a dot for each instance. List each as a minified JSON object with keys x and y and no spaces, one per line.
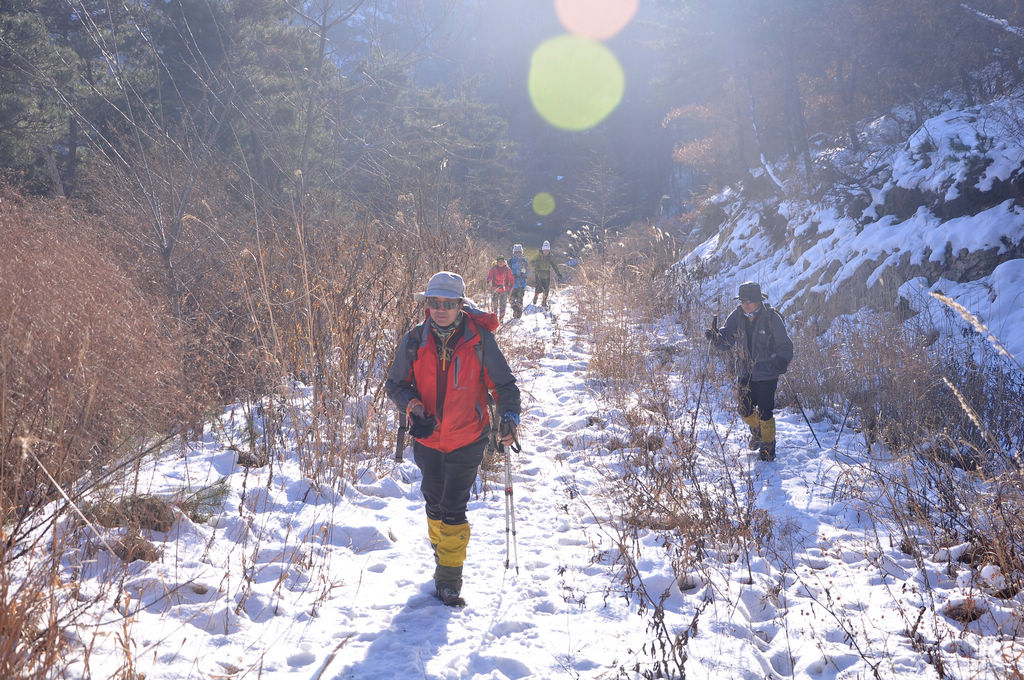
{"x":412,"y":349}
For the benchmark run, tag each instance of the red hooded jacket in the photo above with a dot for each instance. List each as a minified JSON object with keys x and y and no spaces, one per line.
{"x":501,"y":278}
{"x":454,"y":391}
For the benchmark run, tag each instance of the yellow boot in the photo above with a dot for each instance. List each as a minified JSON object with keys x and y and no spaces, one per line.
{"x":434,"y":534}
{"x":451,"y":555}
{"x":768,"y":439}
{"x":754,"y":424}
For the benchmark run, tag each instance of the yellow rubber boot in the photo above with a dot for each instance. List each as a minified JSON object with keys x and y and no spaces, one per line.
{"x":434,"y":534}
{"x":451,"y":546}
{"x":754,"y":423}
{"x":768,"y":439}
{"x":451,"y":554}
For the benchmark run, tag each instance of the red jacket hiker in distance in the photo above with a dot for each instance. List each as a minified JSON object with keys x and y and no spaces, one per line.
{"x":501,"y":278}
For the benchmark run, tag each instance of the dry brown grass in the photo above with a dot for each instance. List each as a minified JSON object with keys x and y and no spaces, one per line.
{"x":104,"y":340}
{"x":31,"y":624}
{"x":90,"y":378}
{"x":620,"y":292}
{"x":658,"y":394}
{"x":91,"y":366}
{"x":950,"y":415}
{"x":332,"y":321}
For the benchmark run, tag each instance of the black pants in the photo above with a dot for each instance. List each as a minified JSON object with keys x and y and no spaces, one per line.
{"x":517,"y":301}
{"x":757,"y":394}
{"x":540,"y":287}
{"x":448,"y":479}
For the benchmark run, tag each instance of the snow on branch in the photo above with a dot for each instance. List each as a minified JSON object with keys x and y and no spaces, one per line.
{"x":1002,"y":23}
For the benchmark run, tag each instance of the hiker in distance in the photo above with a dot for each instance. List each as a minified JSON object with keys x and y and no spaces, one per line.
{"x":520,"y":271}
{"x":542,"y":268}
{"x":763,"y":352}
{"x":501,"y":280}
{"x":441,"y":375}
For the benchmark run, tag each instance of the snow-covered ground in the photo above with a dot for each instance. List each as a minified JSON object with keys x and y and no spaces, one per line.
{"x":292,"y":579}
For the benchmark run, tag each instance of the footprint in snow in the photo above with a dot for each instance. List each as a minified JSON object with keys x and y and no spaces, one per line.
{"x":496,"y":667}
{"x":754,"y":600}
{"x":303,"y":658}
{"x":505,"y":628}
{"x":357,"y":539}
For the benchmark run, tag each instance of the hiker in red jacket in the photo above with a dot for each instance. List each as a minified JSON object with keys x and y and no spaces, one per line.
{"x":441,"y":376}
{"x":500,"y":279}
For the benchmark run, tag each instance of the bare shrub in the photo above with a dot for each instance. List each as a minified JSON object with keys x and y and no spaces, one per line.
{"x":277,"y":307}
{"x":667,"y":468}
{"x":30,"y":624}
{"x":949,"y":414}
{"x":90,"y":378}
{"x":620,"y":292}
{"x":891,"y":378}
{"x":91,"y":365}
{"x":143,"y":511}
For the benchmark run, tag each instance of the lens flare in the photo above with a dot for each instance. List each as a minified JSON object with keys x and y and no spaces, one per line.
{"x":595,"y":19}
{"x":543,"y":204}
{"x":575,"y":82}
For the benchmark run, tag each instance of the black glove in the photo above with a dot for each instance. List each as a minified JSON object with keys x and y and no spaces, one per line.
{"x":509,"y":423}
{"x":421,"y":427}
{"x":717,"y":341}
{"x":780,"y":365}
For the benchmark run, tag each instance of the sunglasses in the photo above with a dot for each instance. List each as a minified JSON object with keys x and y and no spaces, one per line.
{"x":444,"y":304}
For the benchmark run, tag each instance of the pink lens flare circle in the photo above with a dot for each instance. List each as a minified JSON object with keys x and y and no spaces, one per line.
{"x":595,"y":19}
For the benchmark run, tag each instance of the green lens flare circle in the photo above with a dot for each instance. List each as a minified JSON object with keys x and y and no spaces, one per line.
{"x":543,"y":204}
{"x":575,"y":82}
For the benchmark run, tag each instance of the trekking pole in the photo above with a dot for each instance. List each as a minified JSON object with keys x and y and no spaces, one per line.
{"x":704,"y":374}
{"x":801,"y":407}
{"x":842,"y":426}
{"x":510,"y":509}
{"x":403,"y":427}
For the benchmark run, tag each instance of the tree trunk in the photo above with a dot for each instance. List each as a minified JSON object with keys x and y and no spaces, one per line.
{"x":796,"y":124}
{"x":757,"y":134}
{"x":849,"y":91}
{"x":71,"y":162}
{"x":51,"y":164}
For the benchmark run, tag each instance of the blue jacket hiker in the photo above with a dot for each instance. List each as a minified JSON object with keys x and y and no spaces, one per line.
{"x":520,"y":267}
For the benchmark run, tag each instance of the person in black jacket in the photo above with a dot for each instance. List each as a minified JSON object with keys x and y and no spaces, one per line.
{"x":763,"y":352}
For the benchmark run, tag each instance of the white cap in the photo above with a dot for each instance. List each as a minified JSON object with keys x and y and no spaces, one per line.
{"x":546,"y":246}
